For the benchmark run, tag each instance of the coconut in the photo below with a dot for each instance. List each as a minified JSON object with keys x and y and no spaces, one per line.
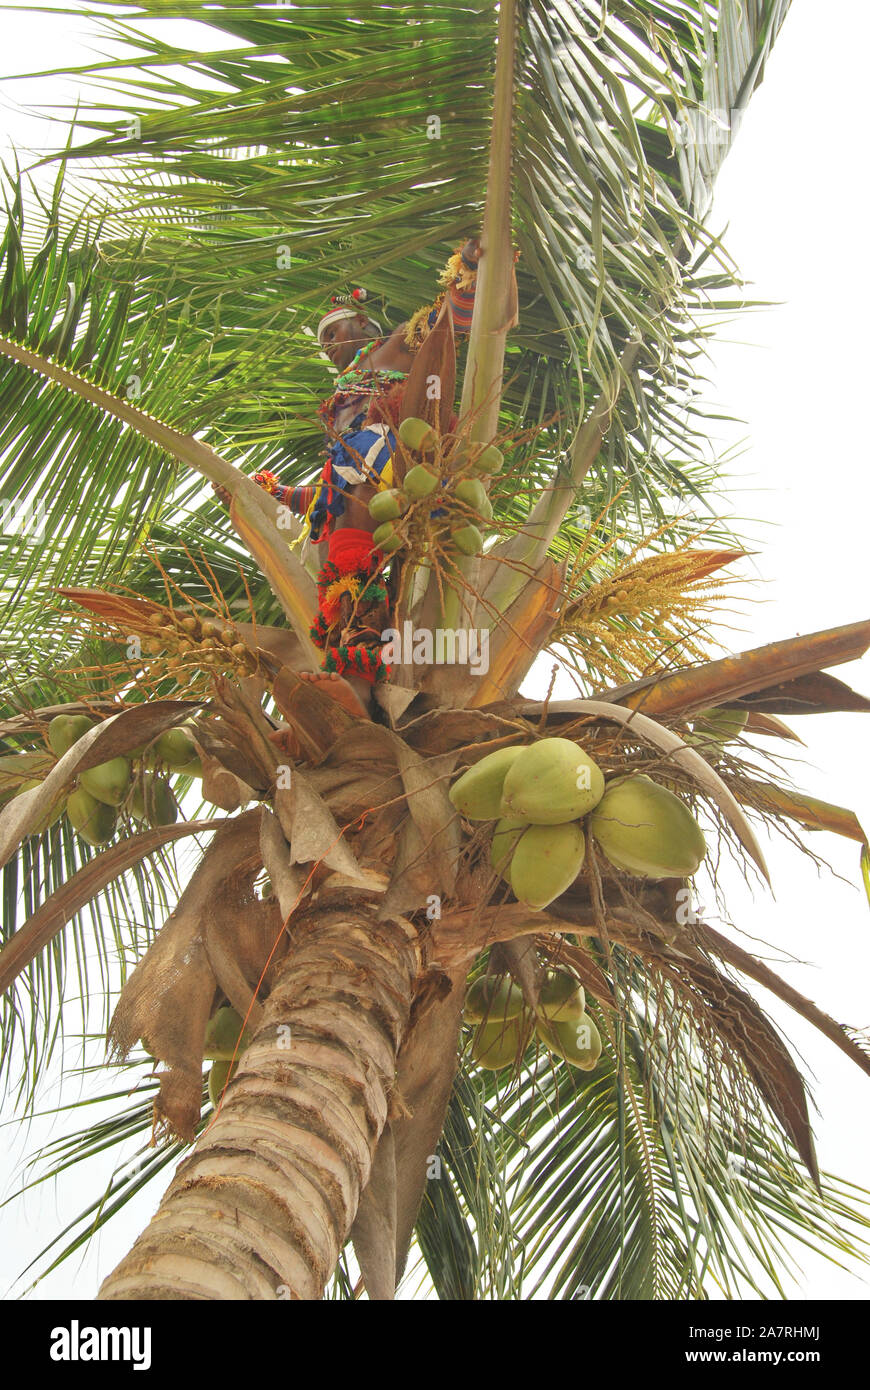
{"x":493,"y":998}
{"x":152,"y":801}
{"x":176,"y":749}
{"x":499,"y":1042}
{"x":417,"y":434}
{"x":561,"y":998}
{"x":504,"y":841}
{"x":646,"y":831}
{"x":225,"y":1036}
{"x":386,"y":538}
{"x":490,"y":460}
{"x":472,"y":492}
{"x":93,"y":820}
{"x":577,"y":1041}
{"x":385,"y":506}
{"x":546,"y":861}
{"x":467,"y":539}
{"x":552,"y":781}
{"x":219,"y":1075}
{"x":477,"y":794}
{"x":419,"y":482}
{"x":108,"y":782}
{"x":65,"y":730}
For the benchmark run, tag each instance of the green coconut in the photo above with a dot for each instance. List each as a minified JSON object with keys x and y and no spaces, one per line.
{"x":546,"y":861}
{"x":417,"y":434}
{"x":385,"y":506}
{"x":577,"y":1042}
{"x":490,"y":460}
{"x":176,"y":749}
{"x":108,"y":782}
{"x":561,"y":998}
{"x":92,"y":819}
{"x":477,"y":794}
{"x":152,"y":800}
{"x":504,"y":841}
{"x":225,"y":1036}
{"x":646,"y":830}
{"x":493,"y":998}
{"x":499,"y":1042}
{"x":552,"y":781}
{"x":219,"y":1074}
{"x":65,"y":730}
{"x":386,"y":538}
{"x":419,"y":482}
{"x":472,"y":492}
{"x":467,"y":539}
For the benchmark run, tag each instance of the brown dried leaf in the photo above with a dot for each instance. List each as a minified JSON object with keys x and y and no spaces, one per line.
{"x":168,"y":998}
{"x":288,"y":884}
{"x":374,"y":1228}
{"x":749,"y":1034}
{"x":760,"y":672}
{"x":35,"y":934}
{"x":313,"y":833}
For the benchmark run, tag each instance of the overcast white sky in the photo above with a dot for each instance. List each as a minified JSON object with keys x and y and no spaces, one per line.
{"x":793,"y":192}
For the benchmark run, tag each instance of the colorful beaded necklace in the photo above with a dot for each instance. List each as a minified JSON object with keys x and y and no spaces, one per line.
{"x":355,"y":381}
{"x":355,"y":373}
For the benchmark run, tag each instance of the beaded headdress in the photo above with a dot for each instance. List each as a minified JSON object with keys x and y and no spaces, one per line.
{"x":348,"y":306}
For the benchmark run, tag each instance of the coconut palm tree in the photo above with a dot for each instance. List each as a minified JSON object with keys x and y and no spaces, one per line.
{"x":332,"y":895}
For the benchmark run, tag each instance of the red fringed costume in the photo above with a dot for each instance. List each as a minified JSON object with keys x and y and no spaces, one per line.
{"x":354,"y":607}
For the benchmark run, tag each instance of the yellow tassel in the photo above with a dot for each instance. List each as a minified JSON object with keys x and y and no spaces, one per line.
{"x":305,"y":531}
{"x":456,"y":272}
{"x":418,"y":329}
{"x":348,"y":584}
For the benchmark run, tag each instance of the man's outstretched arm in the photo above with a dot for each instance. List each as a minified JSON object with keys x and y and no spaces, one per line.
{"x":459,"y":278}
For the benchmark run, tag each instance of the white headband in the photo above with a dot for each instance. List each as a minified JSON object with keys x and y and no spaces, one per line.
{"x":343,"y":312}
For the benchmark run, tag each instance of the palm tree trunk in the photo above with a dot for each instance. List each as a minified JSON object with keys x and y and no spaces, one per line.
{"x":262,"y":1207}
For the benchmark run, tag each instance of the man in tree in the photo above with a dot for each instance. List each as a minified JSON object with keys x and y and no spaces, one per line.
{"x":360,"y":419}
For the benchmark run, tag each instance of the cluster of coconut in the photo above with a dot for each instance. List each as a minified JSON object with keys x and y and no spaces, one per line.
{"x":505,"y":1025}
{"x":462,"y":496}
{"x":545,"y":796}
{"x":225,"y":1040}
{"x":106,"y":791}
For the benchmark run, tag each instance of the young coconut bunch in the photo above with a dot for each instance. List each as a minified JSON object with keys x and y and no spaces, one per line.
{"x":442,"y":503}
{"x":125,"y":784}
{"x":545,"y":796}
{"x":505,"y":1022}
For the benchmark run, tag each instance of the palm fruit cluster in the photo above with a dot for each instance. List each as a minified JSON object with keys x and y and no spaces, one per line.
{"x":544,"y":797}
{"x":104,"y":792}
{"x":191,"y":644}
{"x":225,"y":1040}
{"x":462,"y":499}
{"x":505,"y":1025}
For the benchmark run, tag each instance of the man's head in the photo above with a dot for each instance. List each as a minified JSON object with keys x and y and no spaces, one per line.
{"x":342,"y":339}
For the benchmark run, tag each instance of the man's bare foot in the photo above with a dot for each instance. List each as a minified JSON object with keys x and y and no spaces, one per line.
{"x":341,"y":690}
